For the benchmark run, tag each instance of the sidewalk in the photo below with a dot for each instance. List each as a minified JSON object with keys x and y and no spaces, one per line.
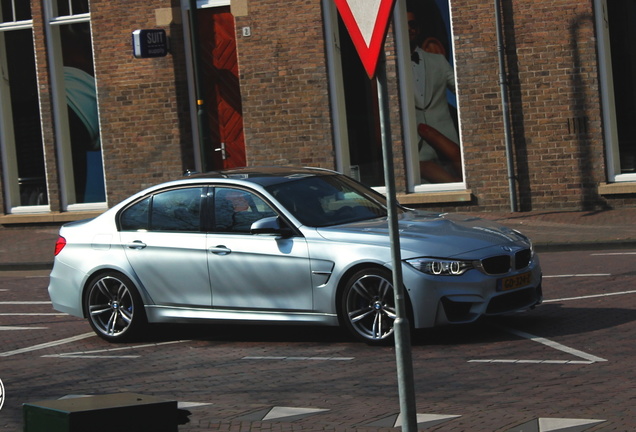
{"x":28,"y":248}
{"x":563,"y":230}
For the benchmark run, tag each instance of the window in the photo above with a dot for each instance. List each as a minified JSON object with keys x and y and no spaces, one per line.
{"x":136,"y":217}
{"x":433,"y":151}
{"x":14,"y":11}
{"x":617,"y":66}
{"x":439,"y":151}
{"x":328,"y":200}
{"x":75,"y":104}
{"x":177,"y":210}
{"x":235,"y":210}
{"x":174,"y":210}
{"x":22,"y":152}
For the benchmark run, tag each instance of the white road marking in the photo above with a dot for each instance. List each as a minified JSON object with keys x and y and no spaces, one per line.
{"x":556,"y":346}
{"x":11,"y":328}
{"x":612,"y":253}
{"x":578,"y":275}
{"x":92,"y":356}
{"x":97,"y":353}
{"x":25,"y":303}
{"x":587,"y":358}
{"x":282,"y":412}
{"x":422,"y":419}
{"x":47,"y":345}
{"x":32,"y":314}
{"x":590,"y":296}
{"x":563,"y":362}
{"x":298,"y":358}
{"x":184,"y":405}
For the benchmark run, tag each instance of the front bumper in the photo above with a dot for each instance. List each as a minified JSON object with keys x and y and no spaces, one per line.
{"x":442,"y":300}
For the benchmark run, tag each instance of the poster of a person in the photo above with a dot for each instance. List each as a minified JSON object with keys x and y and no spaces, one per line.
{"x":439,"y":151}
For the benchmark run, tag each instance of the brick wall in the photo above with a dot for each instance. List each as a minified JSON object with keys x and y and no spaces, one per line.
{"x":282,"y":68}
{"x":145,"y":123}
{"x":550,"y":49}
{"x":554,"y":103}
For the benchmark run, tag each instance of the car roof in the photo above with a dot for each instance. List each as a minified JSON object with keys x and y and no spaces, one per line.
{"x":264,"y":176}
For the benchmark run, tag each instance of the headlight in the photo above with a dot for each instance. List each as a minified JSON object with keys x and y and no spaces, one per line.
{"x":441,"y":267}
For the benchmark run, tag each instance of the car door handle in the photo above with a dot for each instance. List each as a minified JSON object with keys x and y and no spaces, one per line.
{"x":220,"y":250}
{"x":137,"y":244}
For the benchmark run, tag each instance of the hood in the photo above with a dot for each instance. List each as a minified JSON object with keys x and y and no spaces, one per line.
{"x":431,"y":234}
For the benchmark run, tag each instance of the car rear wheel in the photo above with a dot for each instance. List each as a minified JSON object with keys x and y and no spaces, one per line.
{"x":368,"y":306}
{"x":114,"y":308}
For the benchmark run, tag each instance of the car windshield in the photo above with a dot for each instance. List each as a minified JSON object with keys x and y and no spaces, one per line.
{"x":321,"y":201}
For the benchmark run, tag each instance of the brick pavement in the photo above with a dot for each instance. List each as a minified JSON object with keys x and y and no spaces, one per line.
{"x":239,"y":375}
{"x":254,"y":390}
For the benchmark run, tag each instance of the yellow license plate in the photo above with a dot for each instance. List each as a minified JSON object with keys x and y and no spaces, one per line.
{"x":514,"y":282}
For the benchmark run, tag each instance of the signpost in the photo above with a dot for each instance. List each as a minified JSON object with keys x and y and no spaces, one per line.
{"x":367,"y":22}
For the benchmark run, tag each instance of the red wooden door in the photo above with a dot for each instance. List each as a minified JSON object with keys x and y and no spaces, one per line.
{"x":217,"y":37}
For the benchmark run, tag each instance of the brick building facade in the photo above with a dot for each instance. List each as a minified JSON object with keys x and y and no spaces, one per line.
{"x":300,"y":97}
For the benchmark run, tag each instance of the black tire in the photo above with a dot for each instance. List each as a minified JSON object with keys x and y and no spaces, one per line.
{"x":368,"y":306}
{"x":114,"y":308}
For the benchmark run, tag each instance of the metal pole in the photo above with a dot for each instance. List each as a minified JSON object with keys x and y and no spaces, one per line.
{"x":401,"y":328}
{"x":506,"y":109}
{"x":202,"y":113}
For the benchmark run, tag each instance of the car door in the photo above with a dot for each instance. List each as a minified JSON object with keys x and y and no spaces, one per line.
{"x":166,"y":246}
{"x":254,"y":271}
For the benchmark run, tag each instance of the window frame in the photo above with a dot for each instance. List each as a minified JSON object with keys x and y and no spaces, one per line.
{"x":8,"y":150}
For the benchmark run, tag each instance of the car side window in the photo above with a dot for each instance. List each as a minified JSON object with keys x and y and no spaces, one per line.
{"x":136,"y":217}
{"x":235,"y":210}
{"x":177,"y":210}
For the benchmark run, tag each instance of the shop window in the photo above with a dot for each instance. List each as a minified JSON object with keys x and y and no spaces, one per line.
{"x":22,"y":152}
{"x":75,"y":104}
{"x":434,"y":156}
{"x":618,"y":72}
{"x":439,"y":151}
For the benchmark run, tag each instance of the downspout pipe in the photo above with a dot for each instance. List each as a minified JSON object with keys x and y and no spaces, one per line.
{"x":503,"y":84}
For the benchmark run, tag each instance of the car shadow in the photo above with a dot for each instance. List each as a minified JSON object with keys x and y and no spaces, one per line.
{"x":548,"y":321}
{"x":247,"y":333}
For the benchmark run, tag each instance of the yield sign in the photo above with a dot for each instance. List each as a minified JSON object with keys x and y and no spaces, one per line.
{"x":367,"y":22}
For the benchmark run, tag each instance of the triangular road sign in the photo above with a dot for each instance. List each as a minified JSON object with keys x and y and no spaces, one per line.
{"x":367,"y":22}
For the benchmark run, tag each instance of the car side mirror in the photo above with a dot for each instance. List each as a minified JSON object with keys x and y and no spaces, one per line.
{"x":271,"y":225}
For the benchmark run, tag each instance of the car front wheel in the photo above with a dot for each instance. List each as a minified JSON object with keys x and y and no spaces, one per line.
{"x":368,"y":306}
{"x":114,"y":309}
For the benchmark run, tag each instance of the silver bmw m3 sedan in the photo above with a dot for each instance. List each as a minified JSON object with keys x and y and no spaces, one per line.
{"x":283,"y":245}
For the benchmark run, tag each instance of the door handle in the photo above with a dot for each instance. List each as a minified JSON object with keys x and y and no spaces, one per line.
{"x":137,"y":244}
{"x":220,"y":250}
{"x":222,"y":150}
